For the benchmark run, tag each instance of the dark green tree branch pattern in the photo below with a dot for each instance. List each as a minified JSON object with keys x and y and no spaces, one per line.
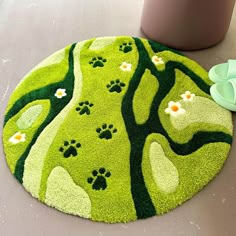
{"x":138,"y":133}
{"x":56,"y":105}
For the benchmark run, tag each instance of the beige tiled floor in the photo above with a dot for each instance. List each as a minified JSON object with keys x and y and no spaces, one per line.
{"x":32,"y":30}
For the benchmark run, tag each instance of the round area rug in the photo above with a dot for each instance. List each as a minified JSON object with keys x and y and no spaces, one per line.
{"x":115,"y":129}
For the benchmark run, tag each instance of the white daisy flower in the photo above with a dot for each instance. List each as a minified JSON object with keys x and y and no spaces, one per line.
{"x":188,"y":96}
{"x":17,"y":137}
{"x":174,"y":109}
{"x":157,"y":60}
{"x":60,"y":93}
{"x":126,"y":66}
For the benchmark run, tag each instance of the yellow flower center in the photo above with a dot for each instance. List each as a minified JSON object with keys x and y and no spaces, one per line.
{"x":174,"y":108}
{"x":124,"y":66}
{"x":18,"y":137}
{"x":59,"y":93}
{"x":156,"y":59}
{"x":188,"y":96}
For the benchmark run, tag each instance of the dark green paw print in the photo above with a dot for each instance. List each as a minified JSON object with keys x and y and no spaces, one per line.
{"x":98,"y":180}
{"x":126,"y":47}
{"x":106,"y":131}
{"x":97,"y":62}
{"x":70,"y":148}
{"x":115,"y":86}
{"x":84,"y":107}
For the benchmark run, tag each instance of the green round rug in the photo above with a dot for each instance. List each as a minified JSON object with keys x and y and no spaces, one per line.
{"x":115,"y":129}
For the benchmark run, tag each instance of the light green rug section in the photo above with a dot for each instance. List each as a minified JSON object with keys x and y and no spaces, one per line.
{"x":13,"y":151}
{"x":35,"y":160}
{"x":53,"y":59}
{"x":164,"y":172}
{"x":102,"y":42}
{"x":160,"y":67}
{"x":54,"y":68}
{"x":143,"y":97}
{"x":210,"y":122}
{"x":117,"y":204}
{"x":64,"y":194}
{"x":28,"y":118}
{"x":194,"y":170}
{"x":214,"y":115}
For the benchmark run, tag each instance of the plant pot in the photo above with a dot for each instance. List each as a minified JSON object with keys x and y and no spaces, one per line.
{"x":187,"y":24}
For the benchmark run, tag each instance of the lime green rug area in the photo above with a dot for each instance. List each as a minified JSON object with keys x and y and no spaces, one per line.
{"x":115,"y":129}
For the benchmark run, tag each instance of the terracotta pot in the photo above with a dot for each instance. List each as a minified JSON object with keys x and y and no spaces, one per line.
{"x":187,"y":24}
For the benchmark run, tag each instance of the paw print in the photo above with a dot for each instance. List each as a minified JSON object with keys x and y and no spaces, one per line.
{"x":84,"y":107}
{"x":105,"y":132}
{"x":115,"y":86}
{"x":70,"y":148}
{"x":126,"y":47}
{"x":98,"y":180}
{"x":97,"y":62}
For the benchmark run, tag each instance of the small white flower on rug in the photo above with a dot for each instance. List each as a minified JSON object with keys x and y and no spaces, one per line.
{"x":174,"y":109}
{"x":188,"y":96}
{"x":17,"y":137}
{"x":126,"y":66}
{"x":60,"y":93}
{"x":157,"y":60}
